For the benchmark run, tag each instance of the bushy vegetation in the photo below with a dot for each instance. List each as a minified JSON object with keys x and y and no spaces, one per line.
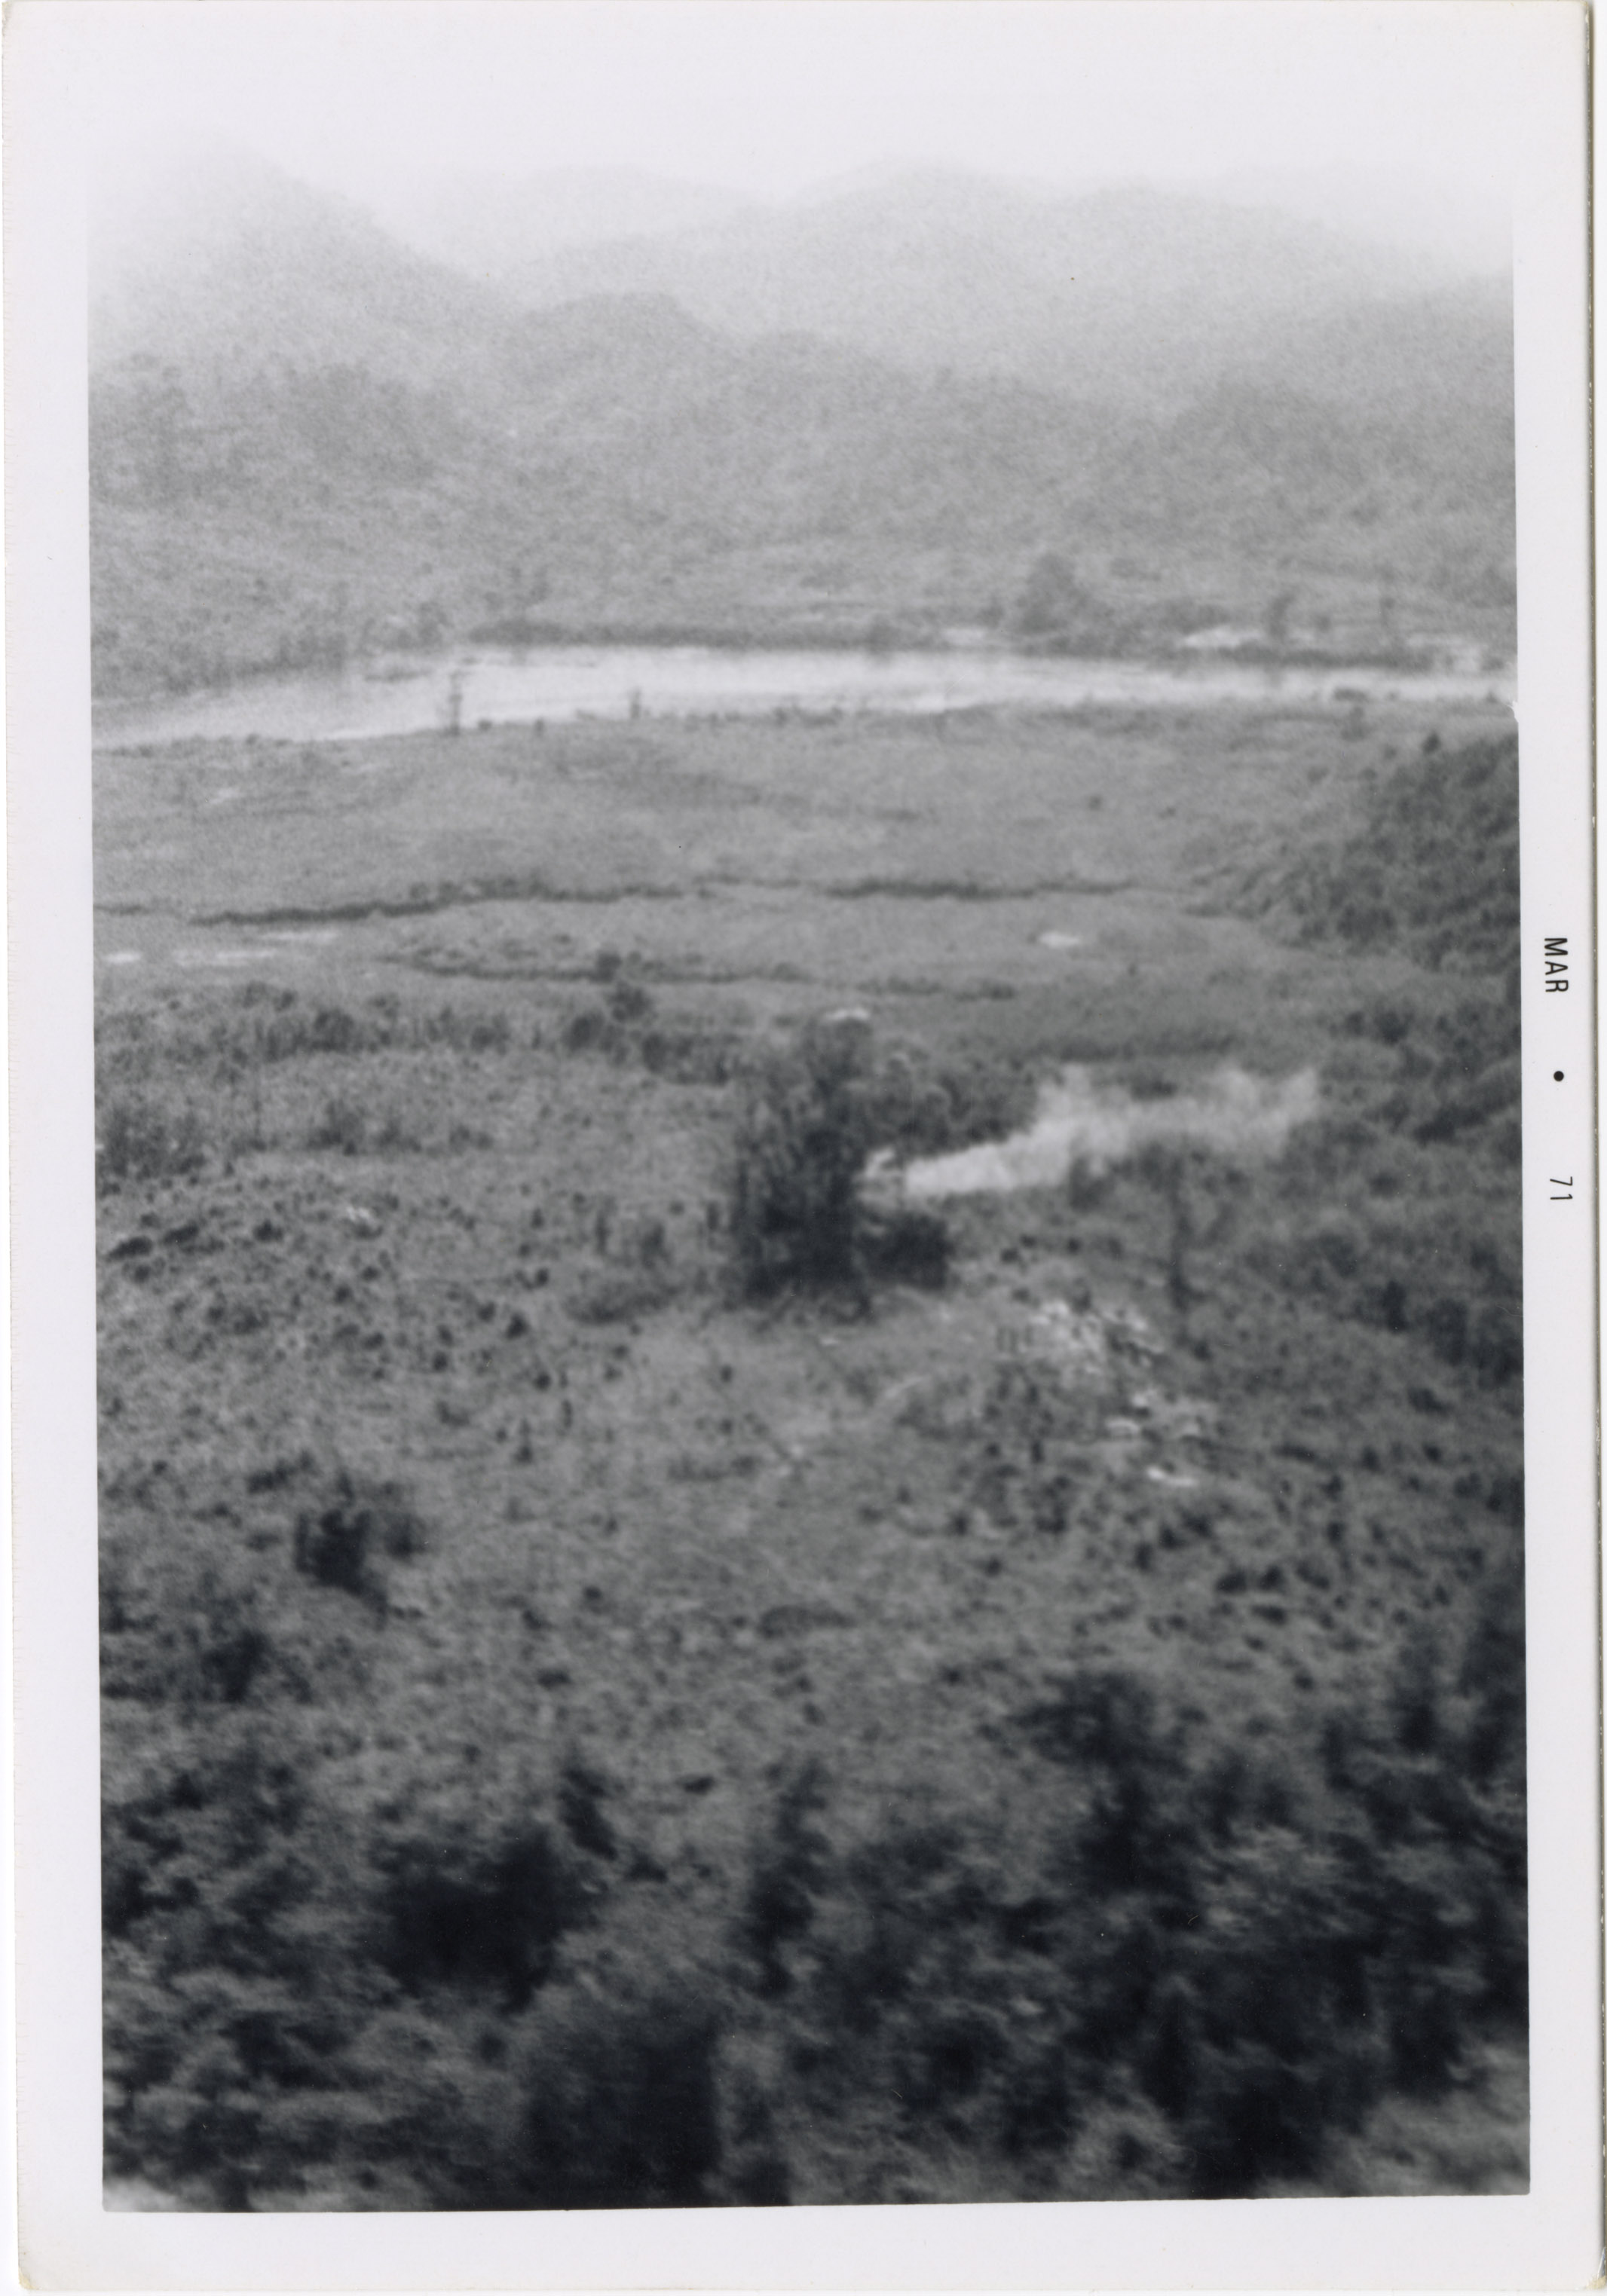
{"x":344,"y":1541}
{"x":798,"y":1214}
{"x":623,"y":1025}
{"x":142,"y":1139}
{"x":1432,"y":868}
{"x":1146,"y":1948}
{"x":266,"y":1027}
{"x":1207,"y":1955}
{"x":576,"y":1736}
{"x":1371,"y":1211}
{"x":324,"y":1968}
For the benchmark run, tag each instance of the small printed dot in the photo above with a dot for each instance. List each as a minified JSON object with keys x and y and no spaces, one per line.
{"x":1556,"y":1076}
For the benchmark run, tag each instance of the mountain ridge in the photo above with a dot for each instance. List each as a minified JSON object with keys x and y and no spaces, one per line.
{"x":1115,"y":291}
{"x":309,"y":441}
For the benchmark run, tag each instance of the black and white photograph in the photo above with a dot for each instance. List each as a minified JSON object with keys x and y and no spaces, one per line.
{"x":811,"y":1020}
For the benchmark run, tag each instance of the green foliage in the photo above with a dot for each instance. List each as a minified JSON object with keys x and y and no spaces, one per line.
{"x":619,"y":1295}
{"x":343,"y":1543}
{"x":804,"y":1133}
{"x":798,"y":1216}
{"x":380,"y":1933}
{"x":1193,"y":1976}
{"x":788,"y":1870}
{"x":265,"y":1027}
{"x":341,"y":1125}
{"x":1433,"y":869}
{"x":1057,"y":610}
{"x":472,"y":1906}
{"x":623,"y":2100}
{"x":142,"y":1140}
{"x":1368,"y":1211}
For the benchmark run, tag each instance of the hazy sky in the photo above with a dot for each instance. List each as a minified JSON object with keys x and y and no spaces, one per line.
{"x":770,"y":95}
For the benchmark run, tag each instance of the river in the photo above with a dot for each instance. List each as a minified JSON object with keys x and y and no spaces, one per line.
{"x":556,"y":685}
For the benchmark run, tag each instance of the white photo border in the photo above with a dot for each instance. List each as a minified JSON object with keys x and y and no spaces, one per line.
{"x":1552,"y":2237}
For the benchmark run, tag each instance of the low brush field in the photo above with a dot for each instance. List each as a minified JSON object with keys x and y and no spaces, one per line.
{"x":634,"y":1676}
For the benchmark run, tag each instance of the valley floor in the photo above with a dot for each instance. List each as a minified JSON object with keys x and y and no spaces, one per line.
{"x":577,"y":1735}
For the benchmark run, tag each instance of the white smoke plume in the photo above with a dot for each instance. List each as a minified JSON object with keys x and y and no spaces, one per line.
{"x":1101,"y":1125}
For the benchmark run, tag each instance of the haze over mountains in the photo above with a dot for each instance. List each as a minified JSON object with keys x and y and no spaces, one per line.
{"x":592,"y":401}
{"x":1126,"y":288}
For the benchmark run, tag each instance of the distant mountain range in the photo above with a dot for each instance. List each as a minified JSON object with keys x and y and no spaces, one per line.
{"x":1111,"y":294}
{"x":596,"y":403}
{"x":491,"y":226}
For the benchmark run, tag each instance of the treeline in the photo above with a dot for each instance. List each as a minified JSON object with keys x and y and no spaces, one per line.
{"x":588,"y":471}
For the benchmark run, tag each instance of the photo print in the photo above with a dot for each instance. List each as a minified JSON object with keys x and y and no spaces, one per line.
{"x":810,"y":1021}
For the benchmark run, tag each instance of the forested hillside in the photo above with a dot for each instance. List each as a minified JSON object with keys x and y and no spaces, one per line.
{"x":309,"y":442}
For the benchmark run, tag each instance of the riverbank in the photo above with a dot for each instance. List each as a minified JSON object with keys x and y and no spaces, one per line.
{"x":452,"y":691}
{"x":874,"y":638}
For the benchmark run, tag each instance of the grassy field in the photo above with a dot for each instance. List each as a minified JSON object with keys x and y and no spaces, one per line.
{"x":581,"y":1734}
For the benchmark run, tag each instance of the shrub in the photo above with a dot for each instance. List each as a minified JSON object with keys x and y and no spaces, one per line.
{"x":622,"y":1025}
{"x":141,"y":1140}
{"x":342,"y":1126}
{"x":461,"y":1909}
{"x":788,"y":1867}
{"x":234,"y":1976}
{"x":466,"y":1032}
{"x":802,"y":1141}
{"x":593,"y":1030}
{"x":907,"y":1246}
{"x":689,"y":1055}
{"x":278,"y":1028}
{"x":1087,"y":1185}
{"x":341,"y":1545}
{"x":617,"y":1295}
{"x":921,"y":1109}
{"x":623,"y":2107}
{"x":630,"y":1004}
{"x":395,"y":1135}
{"x":796,"y":1216}
{"x":333,"y":1029}
{"x":198,"y":1635}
